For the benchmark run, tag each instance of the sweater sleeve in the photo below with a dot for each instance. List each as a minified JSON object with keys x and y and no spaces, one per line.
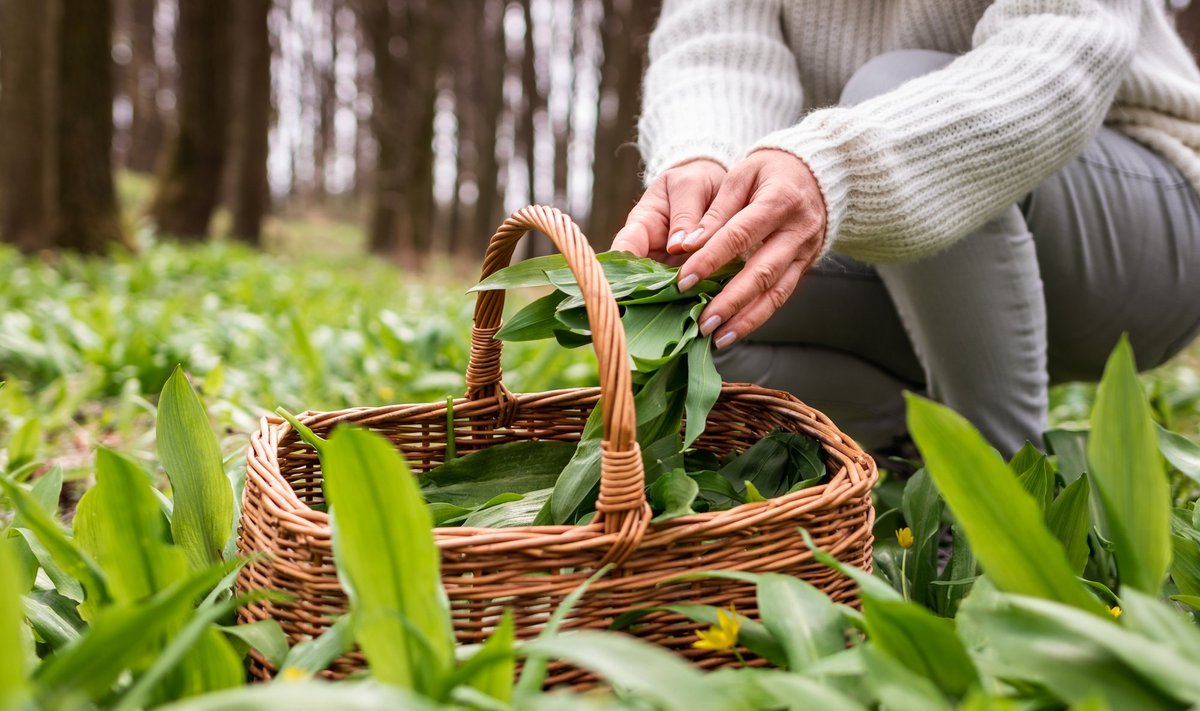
{"x":908,"y":173}
{"x":720,"y":77}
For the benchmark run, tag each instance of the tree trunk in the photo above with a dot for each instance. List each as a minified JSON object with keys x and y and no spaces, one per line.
{"x":146,"y":129}
{"x":378,"y":27}
{"x":189,"y":184}
{"x":88,"y":218}
{"x":27,"y":110}
{"x":490,"y":61}
{"x":250,"y":119}
{"x":617,"y":186}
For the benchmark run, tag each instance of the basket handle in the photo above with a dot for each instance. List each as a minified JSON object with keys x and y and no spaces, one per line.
{"x":622,"y":506}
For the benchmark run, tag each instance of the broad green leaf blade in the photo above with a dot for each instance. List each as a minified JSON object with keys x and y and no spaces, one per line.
{"x":118,"y":522}
{"x":1185,"y":564}
{"x":23,"y":445}
{"x":703,"y":388}
{"x":264,"y":635}
{"x":1025,"y":458}
{"x":1038,"y":480}
{"x":959,"y":576}
{"x":534,"y":322}
{"x":789,"y":691}
{"x":62,"y":549}
{"x":896,"y":687}
{"x":306,"y":696}
{"x":1155,"y":620}
{"x":802,"y":618}
{"x":53,"y":617}
{"x":64,"y":583}
{"x":47,"y":489}
{"x":1181,"y":452}
{"x":203,"y":514}
{"x":1075,"y":656}
{"x":1069,"y":519}
{"x":496,"y":677}
{"x":118,"y":637}
{"x":922,"y":508}
{"x":672,"y":494}
{"x":921,"y":641}
{"x":315,"y":655}
{"x":1002,"y":522}
{"x":384,"y":548}
{"x":1127,"y":471}
{"x":1070,"y":450}
{"x":752,"y":634}
{"x":650,"y":672}
{"x":530,"y":272}
{"x":514,"y":468}
{"x":521,"y":512}
{"x":14,"y":636}
{"x":580,"y":479}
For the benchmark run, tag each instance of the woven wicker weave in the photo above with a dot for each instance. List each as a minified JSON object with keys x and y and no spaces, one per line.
{"x":529,"y":570}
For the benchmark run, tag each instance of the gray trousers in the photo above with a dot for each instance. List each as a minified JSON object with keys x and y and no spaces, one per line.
{"x":1109,"y":244}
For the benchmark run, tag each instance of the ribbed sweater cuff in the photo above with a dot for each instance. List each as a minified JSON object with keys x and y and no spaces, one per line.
{"x":673,"y":154}
{"x":822,"y":153}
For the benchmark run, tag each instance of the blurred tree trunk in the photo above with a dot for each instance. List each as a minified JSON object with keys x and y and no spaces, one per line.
{"x":468,"y":20}
{"x":623,"y":35}
{"x":27,"y":109}
{"x":406,"y":45}
{"x":489,"y":103}
{"x":250,"y":119}
{"x":146,"y":129}
{"x":88,"y":218}
{"x":563,"y":128}
{"x":190,"y":180}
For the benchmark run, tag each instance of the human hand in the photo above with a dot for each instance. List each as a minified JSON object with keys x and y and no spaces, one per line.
{"x":669,"y":210}
{"x":770,"y":203}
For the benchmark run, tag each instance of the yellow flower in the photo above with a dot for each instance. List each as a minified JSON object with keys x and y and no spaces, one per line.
{"x":905,"y":538}
{"x":293,"y":674}
{"x":723,"y":635}
{"x":1115,"y":610}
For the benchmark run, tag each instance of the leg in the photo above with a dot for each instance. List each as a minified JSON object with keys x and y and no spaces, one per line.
{"x":1118,"y":236}
{"x":975,"y":313}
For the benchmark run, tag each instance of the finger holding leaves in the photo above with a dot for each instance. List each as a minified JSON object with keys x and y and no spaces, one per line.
{"x":768,"y":206}
{"x":670,"y":210}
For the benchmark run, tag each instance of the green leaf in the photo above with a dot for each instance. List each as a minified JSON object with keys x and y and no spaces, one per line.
{"x":1002,"y":521}
{"x":118,"y":637}
{"x":264,"y":635}
{"x":47,"y":489}
{"x":703,"y":388}
{"x":61,"y":549}
{"x":1069,"y":519}
{"x":867,"y":584}
{"x":921,"y":641}
{"x":753,"y":495}
{"x":802,"y":618}
{"x":1128,"y":473}
{"x":897,"y":687}
{"x":774,"y":462}
{"x":645,"y":670}
{"x":1158,"y":621}
{"x":784,"y":690}
{"x":651,"y":330}
{"x":716,"y":491}
{"x":1181,"y":452}
{"x":533,"y":675}
{"x":118,"y":522}
{"x":580,"y":479}
{"x":1185,"y":564}
{"x":1075,"y":656}
{"x":23,"y":446}
{"x":53,"y":617}
{"x":14,"y":635}
{"x":517,"y":467}
{"x":1070,"y":449}
{"x":673,"y":495}
{"x":521,"y":512}
{"x":315,"y":655}
{"x":530,"y":272}
{"x":1038,"y":481}
{"x":385,"y":551}
{"x":958,"y":577}
{"x":1024,"y":459}
{"x":752,"y":634}
{"x":922,"y":508}
{"x":534,"y":322}
{"x":496,"y":677}
{"x":306,"y":696}
{"x":203,"y":515}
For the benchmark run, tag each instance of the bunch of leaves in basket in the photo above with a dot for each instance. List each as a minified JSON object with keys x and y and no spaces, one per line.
{"x":675,"y":386}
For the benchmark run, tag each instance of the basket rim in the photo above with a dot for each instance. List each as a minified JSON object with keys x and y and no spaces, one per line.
{"x":853,"y":478}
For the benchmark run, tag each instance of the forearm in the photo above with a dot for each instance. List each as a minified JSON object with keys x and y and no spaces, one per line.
{"x":910,"y":172}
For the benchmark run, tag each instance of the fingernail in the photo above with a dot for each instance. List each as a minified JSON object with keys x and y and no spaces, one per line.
{"x":725,"y":339}
{"x":688,"y":282}
{"x":675,"y":239}
{"x":692,"y":236}
{"x":710,"y":324}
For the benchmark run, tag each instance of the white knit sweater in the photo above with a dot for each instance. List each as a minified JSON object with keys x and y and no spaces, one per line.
{"x":908,"y":173}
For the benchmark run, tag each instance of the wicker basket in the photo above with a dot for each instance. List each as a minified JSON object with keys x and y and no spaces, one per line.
{"x":529,"y":570}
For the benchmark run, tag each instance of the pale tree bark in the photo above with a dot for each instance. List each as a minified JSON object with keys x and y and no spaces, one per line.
{"x":190,"y":180}
{"x":250,"y":119}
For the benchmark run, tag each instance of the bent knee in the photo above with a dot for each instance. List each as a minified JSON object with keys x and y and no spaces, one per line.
{"x":886,"y":71}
